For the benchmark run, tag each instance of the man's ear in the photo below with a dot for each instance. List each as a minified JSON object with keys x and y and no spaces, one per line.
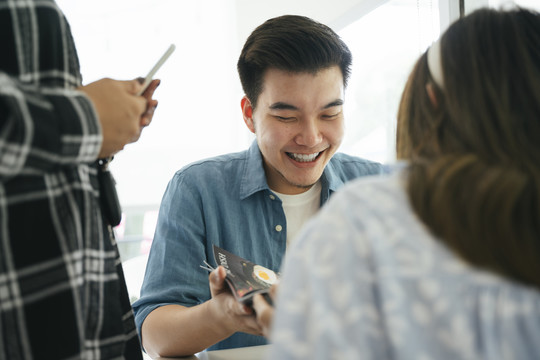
{"x":247,"y":113}
{"x":432,"y":95}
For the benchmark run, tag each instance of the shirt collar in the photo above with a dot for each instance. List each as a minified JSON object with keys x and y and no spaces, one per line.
{"x":254,"y":177}
{"x":329,"y":178}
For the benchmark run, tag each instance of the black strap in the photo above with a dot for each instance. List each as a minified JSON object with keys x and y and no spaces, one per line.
{"x":110,"y":206}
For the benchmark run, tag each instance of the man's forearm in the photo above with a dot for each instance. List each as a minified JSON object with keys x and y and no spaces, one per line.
{"x":175,"y":330}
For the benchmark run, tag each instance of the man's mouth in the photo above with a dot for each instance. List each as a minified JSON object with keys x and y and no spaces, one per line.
{"x":303,"y":157}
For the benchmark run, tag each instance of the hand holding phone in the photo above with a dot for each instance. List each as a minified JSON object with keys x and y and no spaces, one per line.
{"x":161,"y":61}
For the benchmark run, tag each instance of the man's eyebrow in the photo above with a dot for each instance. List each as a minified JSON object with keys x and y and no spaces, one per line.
{"x":337,"y":102}
{"x":282,"y":106}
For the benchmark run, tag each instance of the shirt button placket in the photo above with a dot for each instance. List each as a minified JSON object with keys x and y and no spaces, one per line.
{"x":278,"y":227}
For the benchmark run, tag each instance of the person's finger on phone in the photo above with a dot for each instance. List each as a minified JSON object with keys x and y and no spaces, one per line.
{"x":147,"y":116}
{"x":149,"y":91}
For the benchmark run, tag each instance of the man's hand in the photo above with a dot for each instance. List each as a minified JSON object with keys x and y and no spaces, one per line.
{"x":236,"y":316}
{"x":265,"y":311}
{"x":121,"y":112}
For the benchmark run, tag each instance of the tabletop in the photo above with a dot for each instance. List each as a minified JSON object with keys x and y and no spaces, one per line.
{"x":245,"y":353}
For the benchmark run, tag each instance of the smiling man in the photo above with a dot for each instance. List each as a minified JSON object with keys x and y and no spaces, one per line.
{"x":298,"y":123}
{"x":294,"y":72}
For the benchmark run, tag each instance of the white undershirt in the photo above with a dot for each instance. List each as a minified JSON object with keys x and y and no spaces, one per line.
{"x":299,"y":208}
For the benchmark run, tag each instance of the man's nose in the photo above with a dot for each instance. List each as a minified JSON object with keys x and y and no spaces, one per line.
{"x":309,"y":133}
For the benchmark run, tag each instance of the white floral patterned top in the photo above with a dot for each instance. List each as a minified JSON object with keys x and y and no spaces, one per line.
{"x":366,"y":280}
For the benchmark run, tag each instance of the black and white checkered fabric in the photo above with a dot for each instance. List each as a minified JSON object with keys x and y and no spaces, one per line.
{"x":62,"y":290}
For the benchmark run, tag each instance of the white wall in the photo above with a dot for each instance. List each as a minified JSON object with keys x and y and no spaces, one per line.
{"x":199,"y":111}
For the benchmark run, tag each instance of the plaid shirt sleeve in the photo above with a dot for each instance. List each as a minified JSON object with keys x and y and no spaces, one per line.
{"x":43,"y":129}
{"x":45,"y":122}
{"x":62,"y":289}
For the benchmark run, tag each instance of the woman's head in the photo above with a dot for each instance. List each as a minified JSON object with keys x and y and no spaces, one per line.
{"x":469,"y":123}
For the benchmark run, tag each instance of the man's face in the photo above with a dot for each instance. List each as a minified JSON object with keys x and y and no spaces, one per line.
{"x":299,"y":125}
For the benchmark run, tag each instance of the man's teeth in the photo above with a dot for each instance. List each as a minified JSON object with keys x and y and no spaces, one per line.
{"x":303,"y":157}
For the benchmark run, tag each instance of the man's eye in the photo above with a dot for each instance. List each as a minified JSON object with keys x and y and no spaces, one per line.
{"x":285,"y":118}
{"x":330,"y":116}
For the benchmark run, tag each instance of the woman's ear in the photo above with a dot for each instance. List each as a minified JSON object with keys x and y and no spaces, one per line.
{"x":247,"y":113}
{"x":432,"y":95}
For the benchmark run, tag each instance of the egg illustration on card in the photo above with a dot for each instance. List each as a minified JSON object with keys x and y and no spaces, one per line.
{"x":265,"y":275}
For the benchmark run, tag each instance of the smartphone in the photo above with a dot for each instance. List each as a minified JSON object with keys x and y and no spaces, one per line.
{"x":161,"y":61}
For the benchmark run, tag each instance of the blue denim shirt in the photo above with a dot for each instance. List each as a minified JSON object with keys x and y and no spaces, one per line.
{"x":224,"y":201}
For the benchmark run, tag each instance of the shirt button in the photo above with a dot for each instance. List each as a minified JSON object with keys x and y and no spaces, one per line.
{"x":279,"y":228}
{"x":272,"y":197}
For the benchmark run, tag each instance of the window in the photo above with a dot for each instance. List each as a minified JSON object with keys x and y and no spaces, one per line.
{"x":385,"y":44}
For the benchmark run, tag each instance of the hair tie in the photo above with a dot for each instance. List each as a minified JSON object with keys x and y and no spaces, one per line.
{"x":435,"y":63}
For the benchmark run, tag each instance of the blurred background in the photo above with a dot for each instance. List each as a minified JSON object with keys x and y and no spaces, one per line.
{"x":199,"y":97}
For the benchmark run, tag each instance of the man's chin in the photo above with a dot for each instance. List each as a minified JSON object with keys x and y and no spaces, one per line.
{"x":302,"y":185}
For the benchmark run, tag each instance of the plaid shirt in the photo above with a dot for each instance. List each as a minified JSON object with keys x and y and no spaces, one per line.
{"x":62,"y":290}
